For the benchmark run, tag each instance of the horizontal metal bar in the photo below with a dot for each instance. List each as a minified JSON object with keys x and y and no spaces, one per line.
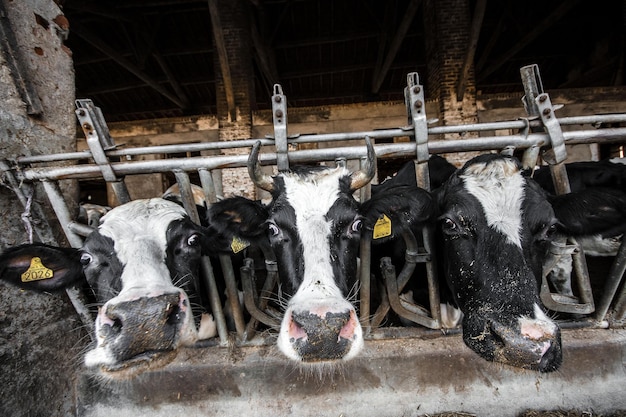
{"x":328,"y":137}
{"x":383,"y":151}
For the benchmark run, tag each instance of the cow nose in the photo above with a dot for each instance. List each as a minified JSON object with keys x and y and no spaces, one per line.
{"x":536,"y":349}
{"x":142,"y":325}
{"x":322,"y":336}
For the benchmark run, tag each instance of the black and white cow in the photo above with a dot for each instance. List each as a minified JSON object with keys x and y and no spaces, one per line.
{"x":313,"y":224}
{"x":494,"y":227}
{"x":141,"y":263}
{"x":594,"y":213}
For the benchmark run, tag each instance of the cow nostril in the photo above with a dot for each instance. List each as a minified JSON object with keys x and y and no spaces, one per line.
{"x":296,"y":331}
{"x":174,"y":314}
{"x":111,"y":326}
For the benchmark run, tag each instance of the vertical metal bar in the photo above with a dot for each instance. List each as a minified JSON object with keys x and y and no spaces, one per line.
{"x":189,"y":204}
{"x":208,"y":186}
{"x":531,"y":81}
{"x":365,"y":281}
{"x":279,"y":109}
{"x":63,"y":215}
{"x":62,"y":212}
{"x":612,"y":283}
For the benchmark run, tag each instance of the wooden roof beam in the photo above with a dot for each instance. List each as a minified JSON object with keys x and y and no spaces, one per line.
{"x":125,"y":63}
{"x":395,"y":45}
{"x":222,"y":53}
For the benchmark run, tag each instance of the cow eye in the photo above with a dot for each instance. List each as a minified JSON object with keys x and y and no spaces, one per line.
{"x":274,"y":230}
{"x":193,"y":240}
{"x":85,"y":259}
{"x":357,"y":225}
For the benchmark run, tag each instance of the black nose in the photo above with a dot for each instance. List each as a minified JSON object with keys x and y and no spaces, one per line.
{"x":143,"y":325}
{"x":325,"y":338}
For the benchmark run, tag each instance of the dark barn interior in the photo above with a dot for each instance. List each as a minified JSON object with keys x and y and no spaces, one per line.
{"x":154,"y":59}
{"x":205,"y":72}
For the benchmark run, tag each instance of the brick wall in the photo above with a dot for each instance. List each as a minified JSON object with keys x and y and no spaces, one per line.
{"x":449,"y":21}
{"x":236,"y":34}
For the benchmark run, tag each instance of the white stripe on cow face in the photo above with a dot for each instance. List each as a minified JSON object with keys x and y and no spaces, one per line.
{"x":318,"y":293}
{"x":311,"y":201}
{"x":499,"y":187}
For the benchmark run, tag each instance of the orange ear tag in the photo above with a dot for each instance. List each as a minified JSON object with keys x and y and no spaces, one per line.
{"x":37,"y":271}
{"x":382,"y":228}
{"x":237,"y":245}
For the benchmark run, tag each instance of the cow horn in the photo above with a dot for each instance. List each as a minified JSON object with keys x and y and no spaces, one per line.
{"x":260,"y":179}
{"x":362,"y":177}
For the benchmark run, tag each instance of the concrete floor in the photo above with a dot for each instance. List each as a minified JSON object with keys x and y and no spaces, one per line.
{"x":392,"y":377}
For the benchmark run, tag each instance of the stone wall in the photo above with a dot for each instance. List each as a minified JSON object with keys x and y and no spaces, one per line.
{"x":40,"y":334}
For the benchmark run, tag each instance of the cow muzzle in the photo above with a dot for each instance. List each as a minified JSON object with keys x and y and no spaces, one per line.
{"x":320,"y":334}
{"x":536,"y":350}
{"x":139,"y":333}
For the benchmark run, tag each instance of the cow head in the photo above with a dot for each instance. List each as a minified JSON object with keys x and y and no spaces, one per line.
{"x":313,"y":224}
{"x":495,"y":226}
{"x":141,"y":264}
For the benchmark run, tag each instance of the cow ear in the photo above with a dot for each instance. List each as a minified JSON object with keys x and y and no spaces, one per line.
{"x":41,"y":267}
{"x":405,"y":206}
{"x":240,"y":217}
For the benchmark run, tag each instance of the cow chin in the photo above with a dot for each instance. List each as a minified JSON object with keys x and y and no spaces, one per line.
{"x":530,"y":343}
{"x":320,"y":332}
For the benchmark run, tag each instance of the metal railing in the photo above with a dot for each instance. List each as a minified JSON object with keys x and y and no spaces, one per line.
{"x":539,"y":129}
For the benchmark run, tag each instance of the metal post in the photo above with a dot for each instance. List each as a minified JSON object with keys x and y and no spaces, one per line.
{"x":99,"y":140}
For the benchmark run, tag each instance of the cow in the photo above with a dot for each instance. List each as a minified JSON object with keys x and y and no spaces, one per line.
{"x":594,"y":213}
{"x":141,"y":264}
{"x":313,"y":224}
{"x":494,"y":227}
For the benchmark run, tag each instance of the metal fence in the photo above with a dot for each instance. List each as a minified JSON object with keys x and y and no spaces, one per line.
{"x":537,"y":130}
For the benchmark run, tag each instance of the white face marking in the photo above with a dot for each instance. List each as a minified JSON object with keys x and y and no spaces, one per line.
{"x":139,"y":230}
{"x":499,"y":187}
{"x":311,"y":201}
{"x":318,"y":292}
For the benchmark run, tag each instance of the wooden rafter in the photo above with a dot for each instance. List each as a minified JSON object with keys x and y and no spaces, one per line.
{"x":125,"y":63}
{"x":222,"y":53}
{"x":395,"y":45}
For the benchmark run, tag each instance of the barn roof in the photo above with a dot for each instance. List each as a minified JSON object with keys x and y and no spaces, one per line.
{"x":140,"y":59}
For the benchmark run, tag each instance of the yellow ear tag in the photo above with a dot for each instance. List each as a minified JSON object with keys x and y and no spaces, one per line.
{"x":36,"y":271}
{"x":382,"y":228}
{"x":237,"y":245}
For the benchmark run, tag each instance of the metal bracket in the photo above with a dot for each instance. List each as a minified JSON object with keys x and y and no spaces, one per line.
{"x":98,"y":139}
{"x":279,"y":112}
{"x":552,"y":126}
{"x":416,"y":110}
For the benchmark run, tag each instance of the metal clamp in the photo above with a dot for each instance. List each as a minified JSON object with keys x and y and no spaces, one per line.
{"x":416,"y":110}
{"x":98,"y":139}
{"x":279,"y":112}
{"x":552,"y":126}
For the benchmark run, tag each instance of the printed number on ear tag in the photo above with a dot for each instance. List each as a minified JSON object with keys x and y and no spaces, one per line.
{"x":237,"y":245}
{"x":37,"y":271}
{"x":382,"y":228}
